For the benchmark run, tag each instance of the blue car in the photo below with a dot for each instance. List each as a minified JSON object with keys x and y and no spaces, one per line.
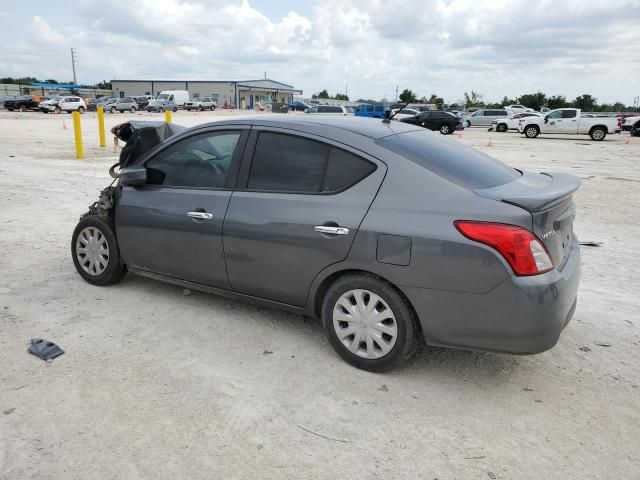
{"x":297,"y":105}
{"x":373,"y":110}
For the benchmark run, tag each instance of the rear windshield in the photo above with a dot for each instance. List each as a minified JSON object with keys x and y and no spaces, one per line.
{"x":444,"y":157}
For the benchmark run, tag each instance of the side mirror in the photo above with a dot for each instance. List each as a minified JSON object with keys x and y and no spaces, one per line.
{"x":134,"y":176}
{"x":546,"y":119}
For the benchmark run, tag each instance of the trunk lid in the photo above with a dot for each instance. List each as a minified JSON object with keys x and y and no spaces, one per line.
{"x":549,"y":199}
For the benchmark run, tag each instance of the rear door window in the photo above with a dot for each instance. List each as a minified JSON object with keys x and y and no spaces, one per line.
{"x":442,"y":156}
{"x":379,"y":108}
{"x":569,"y":113}
{"x":285,"y":163}
{"x":291,"y":164}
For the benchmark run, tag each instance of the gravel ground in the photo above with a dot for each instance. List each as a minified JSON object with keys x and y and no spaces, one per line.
{"x":158,"y":384}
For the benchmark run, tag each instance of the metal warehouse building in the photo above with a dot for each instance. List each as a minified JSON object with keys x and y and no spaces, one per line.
{"x":231,"y":94}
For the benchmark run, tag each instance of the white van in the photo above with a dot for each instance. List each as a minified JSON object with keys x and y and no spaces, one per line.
{"x":176,"y":96}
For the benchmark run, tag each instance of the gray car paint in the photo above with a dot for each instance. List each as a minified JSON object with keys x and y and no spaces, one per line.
{"x":463,"y":292}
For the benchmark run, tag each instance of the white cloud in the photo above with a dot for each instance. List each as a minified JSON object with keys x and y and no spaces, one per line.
{"x":45,"y":32}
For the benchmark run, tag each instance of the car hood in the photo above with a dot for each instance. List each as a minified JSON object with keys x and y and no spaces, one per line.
{"x":140,"y":137}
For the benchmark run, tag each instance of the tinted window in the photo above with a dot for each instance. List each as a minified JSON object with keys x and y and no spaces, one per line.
{"x":202,"y":161}
{"x":369,"y":108}
{"x":335,"y":109}
{"x":556,"y":114}
{"x":442,"y":156}
{"x":379,"y":108}
{"x":344,"y":170}
{"x":287,"y":164}
{"x":323,"y":110}
{"x":569,"y":113}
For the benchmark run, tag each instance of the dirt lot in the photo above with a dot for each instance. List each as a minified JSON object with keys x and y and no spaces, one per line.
{"x":156,"y":384}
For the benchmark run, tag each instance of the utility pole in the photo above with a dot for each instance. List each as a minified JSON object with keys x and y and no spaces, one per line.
{"x":73,"y":65}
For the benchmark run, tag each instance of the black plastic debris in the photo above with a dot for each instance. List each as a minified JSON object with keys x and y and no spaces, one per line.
{"x":591,"y":244}
{"x":44,"y":349}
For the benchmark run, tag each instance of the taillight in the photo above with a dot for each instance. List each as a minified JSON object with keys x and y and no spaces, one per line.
{"x":520,"y":248}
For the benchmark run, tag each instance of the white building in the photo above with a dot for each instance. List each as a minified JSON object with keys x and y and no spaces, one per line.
{"x":231,"y":93}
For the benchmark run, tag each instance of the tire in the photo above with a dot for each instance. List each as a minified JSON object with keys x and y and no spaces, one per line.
{"x":213,"y":108}
{"x":501,"y":127}
{"x":598,"y":134}
{"x":188,"y":109}
{"x":10,"y":109}
{"x":113,"y":110}
{"x":81,"y":110}
{"x":23,"y":108}
{"x":402,"y":321}
{"x":531,"y":131}
{"x":200,"y":108}
{"x":445,"y":129}
{"x":97,"y":234}
{"x":175,"y":109}
{"x":133,"y":110}
{"x":57,"y":110}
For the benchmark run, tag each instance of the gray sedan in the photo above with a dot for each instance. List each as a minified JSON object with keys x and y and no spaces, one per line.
{"x":389,"y":233}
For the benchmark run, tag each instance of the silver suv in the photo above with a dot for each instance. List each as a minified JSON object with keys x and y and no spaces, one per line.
{"x":200,"y":103}
{"x":123,"y":104}
{"x":485,"y":117}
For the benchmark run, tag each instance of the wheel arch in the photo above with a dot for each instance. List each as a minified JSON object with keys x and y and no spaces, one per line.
{"x":604,"y":127}
{"x":321,"y":286}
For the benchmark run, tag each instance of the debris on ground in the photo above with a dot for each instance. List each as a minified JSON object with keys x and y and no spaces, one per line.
{"x":267,"y":352}
{"x":585,"y":349}
{"x":527,"y":389}
{"x":590,"y":244}
{"x":342,"y":440}
{"x":383,"y":388}
{"x":492,"y":475}
{"x":44,"y":349}
{"x":602,"y":344}
{"x":9,"y":411}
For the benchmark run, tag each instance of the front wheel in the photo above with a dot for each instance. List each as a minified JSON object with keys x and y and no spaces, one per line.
{"x":445,"y":129}
{"x":598,"y":134}
{"x":502,"y":127}
{"x":213,"y":108}
{"x":200,"y":108}
{"x":133,"y":110}
{"x":369,"y":324}
{"x":175,"y":109}
{"x":81,"y":110}
{"x":113,"y":110}
{"x":531,"y":131}
{"x":95,"y":252}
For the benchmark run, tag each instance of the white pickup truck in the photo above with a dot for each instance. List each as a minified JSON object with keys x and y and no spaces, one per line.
{"x":568,"y":121}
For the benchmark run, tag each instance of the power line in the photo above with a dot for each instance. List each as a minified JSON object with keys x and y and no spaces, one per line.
{"x":73,"y":65}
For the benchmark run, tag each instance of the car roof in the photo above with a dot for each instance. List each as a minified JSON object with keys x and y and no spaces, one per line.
{"x":368,"y":127}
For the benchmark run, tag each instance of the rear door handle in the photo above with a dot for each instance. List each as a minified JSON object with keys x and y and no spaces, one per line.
{"x":331,"y":230}
{"x":200,"y":215}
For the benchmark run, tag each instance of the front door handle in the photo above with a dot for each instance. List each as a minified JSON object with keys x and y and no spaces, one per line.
{"x":200,"y":215}
{"x":331,"y":230}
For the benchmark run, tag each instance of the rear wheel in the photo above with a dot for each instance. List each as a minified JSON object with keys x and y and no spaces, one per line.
{"x":113,"y":110}
{"x":175,"y":109}
{"x":95,"y":252}
{"x":58,"y":110}
{"x":531,"y":131}
{"x":81,"y":109}
{"x":597,"y":134}
{"x":445,"y":129}
{"x":369,"y":324}
{"x":200,"y":108}
{"x":133,"y":110}
{"x":213,"y":108}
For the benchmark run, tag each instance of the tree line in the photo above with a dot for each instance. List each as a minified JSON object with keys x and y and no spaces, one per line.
{"x":104,"y":85}
{"x":536,"y":101}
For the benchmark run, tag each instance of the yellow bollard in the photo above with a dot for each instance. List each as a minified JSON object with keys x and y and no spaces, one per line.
{"x":103,"y":141}
{"x":77,"y":130}
{"x":167,"y":116}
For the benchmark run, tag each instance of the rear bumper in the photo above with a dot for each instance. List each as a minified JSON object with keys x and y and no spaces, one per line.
{"x":522,"y":315}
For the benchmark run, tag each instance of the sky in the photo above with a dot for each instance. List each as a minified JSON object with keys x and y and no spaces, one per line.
{"x":367,"y":48}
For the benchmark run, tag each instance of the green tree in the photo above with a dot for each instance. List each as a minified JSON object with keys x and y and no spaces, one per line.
{"x":341,"y":96}
{"x":323,"y":94}
{"x":506,"y":101}
{"x":557,"y":101}
{"x":104,"y":85}
{"x":473,"y":100}
{"x":407,"y":96}
{"x":585,"y":102}
{"x":533,"y":100}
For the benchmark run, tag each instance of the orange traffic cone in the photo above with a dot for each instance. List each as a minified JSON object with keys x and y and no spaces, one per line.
{"x":460,"y":134}
{"x":64,"y":125}
{"x":628,"y":140}
{"x":489,"y":143}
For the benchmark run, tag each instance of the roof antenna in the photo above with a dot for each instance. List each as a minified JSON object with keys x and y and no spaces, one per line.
{"x":388,"y":120}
